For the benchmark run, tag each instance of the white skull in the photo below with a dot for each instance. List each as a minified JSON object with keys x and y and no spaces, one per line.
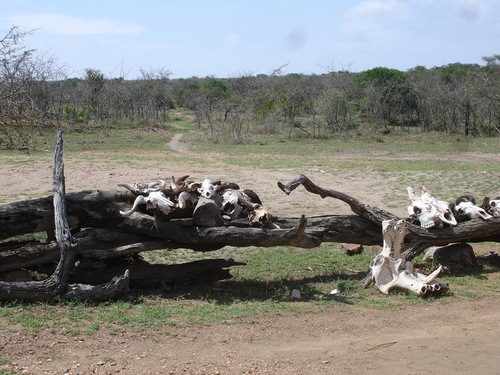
{"x":429,"y":211}
{"x":187,"y":199}
{"x":231,"y":205}
{"x":154,"y":200}
{"x":471,"y":211}
{"x":207,"y":189}
{"x":495,"y":207}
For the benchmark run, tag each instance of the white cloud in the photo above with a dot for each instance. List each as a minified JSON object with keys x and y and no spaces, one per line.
{"x":67,"y":25}
{"x":373,"y":24}
{"x":374,"y":9}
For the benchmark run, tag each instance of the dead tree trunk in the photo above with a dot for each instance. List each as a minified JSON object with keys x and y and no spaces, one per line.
{"x":57,"y":283}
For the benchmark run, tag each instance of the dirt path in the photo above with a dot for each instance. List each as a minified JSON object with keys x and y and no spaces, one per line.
{"x":176,"y":144}
{"x":437,"y":338}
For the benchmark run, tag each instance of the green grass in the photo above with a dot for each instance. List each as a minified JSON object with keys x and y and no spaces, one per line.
{"x":416,"y":153}
{"x":264,"y":287}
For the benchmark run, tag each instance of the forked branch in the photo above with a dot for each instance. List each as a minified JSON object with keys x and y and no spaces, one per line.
{"x":57,"y":283}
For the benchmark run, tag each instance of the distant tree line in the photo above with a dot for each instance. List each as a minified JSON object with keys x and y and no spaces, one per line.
{"x":455,"y":99}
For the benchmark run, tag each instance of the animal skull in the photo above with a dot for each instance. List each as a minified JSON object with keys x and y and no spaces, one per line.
{"x":141,"y":188}
{"x":246,"y":203}
{"x":387,"y":270}
{"x":492,"y":206}
{"x":207,"y":189}
{"x":154,"y":200}
{"x":231,"y":205}
{"x":470,"y":211}
{"x":429,"y":211}
{"x":495,"y":207}
{"x":178,"y":193}
{"x":187,"y":199}
{"x":260,"y":217}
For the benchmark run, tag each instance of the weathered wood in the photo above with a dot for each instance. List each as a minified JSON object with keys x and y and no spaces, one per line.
{"x":21,"y":254}
{"x":373,"y":214}
{"x":57,"y":283}
{"x":476,"y":230}
{"x":100,"y":243}
{"x":207,"y":213}
{"x":418,"y":239}
{"x":64,"y":238}
{"x":85,"y":209}
{"x":97,"y":243}
{"x":102,"y":292}
{"x":140,"y":231}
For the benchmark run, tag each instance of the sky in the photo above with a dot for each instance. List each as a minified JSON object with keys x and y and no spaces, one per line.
{"x":233,"y":38}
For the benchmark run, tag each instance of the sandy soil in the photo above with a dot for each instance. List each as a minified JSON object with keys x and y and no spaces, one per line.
{"x":439,"y":337}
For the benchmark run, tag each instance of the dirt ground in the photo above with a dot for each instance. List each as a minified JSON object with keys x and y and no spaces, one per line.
{"x":439,"y":337}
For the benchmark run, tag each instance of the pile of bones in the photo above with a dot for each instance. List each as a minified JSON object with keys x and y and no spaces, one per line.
{"x":430,"y":212}
{"x":180,"y":197}
{"x":387,"y":268}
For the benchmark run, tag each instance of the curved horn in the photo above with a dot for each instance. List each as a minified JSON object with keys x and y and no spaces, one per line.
{"x":130,"y":187}
{"x":465,"y":198}
{"x":227,"y":185}
{"x":243,"y":201}
{"x":429,"y":279}
{"x":138,"y":201}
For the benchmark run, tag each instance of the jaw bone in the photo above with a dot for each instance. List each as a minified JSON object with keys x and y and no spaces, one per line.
{"x":387,"y":269}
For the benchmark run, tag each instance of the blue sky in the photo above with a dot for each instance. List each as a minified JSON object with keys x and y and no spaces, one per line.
{"x":233,"y":38}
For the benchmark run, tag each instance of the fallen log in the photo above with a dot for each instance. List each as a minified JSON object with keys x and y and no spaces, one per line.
{"x":98,"y":211}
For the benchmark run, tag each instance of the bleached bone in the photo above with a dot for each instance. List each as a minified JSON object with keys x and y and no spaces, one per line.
{"x":141,"y":188}
{"x":137,"y":202}
{"x":394,"y":233}
{"x":176,"y":186}
{"x":387,"y":269}
{"x":260,"y":217}
{"x":421,"y":284}
{"x":469,"y":210}
{"x":492,"y":206}
{"x":238,"y":203}
{"x":231,"y":205}
{"x":495,"y":207}
{"x":429,"y":211}
{"x":154,"y":200}
{"x":207,"y":189}
{"x":187,"y":199}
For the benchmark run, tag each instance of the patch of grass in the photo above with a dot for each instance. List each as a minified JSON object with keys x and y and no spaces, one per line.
{"x":398,"y":153}
{"x":262,"y":288}
{"x":4,"y":361}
